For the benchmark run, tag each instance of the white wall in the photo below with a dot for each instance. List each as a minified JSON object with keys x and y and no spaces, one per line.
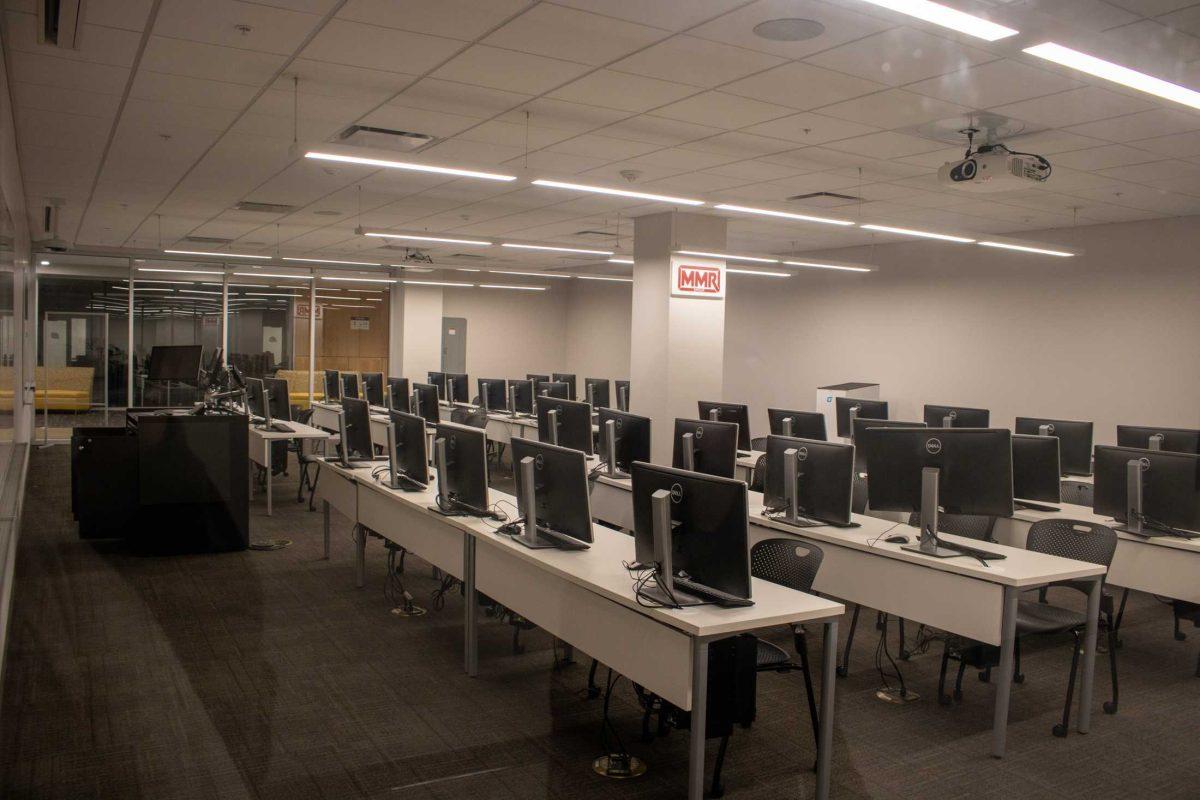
{"x":599,"y":317}
{"x":1111,"y":336}
{"x":510,"y":333}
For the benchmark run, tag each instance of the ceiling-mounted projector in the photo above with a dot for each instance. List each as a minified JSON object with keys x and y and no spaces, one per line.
{"x":993,"y":167}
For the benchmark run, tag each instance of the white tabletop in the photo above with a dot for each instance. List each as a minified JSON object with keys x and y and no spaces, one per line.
{"x":298,"y":431}
{"x":1085,"y":514}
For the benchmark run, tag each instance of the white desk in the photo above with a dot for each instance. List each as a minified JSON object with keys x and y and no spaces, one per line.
{"x":744,"y":468}
{"x":260,"y":449}
{"x":957,"y":595}
{"x":586,"y":599}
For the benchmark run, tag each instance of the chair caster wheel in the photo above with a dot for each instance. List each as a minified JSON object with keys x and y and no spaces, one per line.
{"x":842,"y":672}
{"x":1019,"y":678}
{"x":945,"y":700}
{"x":1110,"y":707}
{"x":1060,"y":731}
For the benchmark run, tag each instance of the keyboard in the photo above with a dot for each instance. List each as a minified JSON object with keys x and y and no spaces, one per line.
{"x":745,"y":453}
{"x":722,"y":598}
{"x":282,"y":427}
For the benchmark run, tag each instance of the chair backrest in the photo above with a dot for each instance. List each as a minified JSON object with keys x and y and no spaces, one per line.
{"x":759,"y":444}
{"x":758,"y":477}
{"x":1072,"y":538}
{"x":1077,"y":492}
{"x":476,"y":418}
{"x":970,"y":526}
{"x":459,"y":415}
{"x":787,"y":562}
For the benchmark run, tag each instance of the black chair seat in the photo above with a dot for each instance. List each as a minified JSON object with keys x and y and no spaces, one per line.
{"x":771,"y":655}
{"x":1045,"y":618}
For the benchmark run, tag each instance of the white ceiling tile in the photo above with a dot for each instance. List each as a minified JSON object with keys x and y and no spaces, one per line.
{"x":900,"y":56}
{"x":340,"y":80}
{"x":171,"y":118}
{"x":573,"y":35}
{"x":1092,"y":15}
{"x":672,"y":15}
{"x":642,"y":172}
{"x":460,"y":151}
{"x":1112,"y":155}
{"x":394,"y":116}
{"x":54,"y":98}
{"x":722,"y":110}
{"x":509,"y":70}
{"x":271,"y":30}
{"x":868,"y":169}
{"x":388,"y":49}
{"x":605,"y":148}
{"x":810,"y":128}
{"x":455,"y":19}
{"x":656,"y":130}
{"x":933,"y":158}
{"x":1179,"y":145}
{"x":1154,"y":41}
{"x":622,"y":91}
{"x":62,"y":131}
{"x":562,"y":115}
{"x":698,"y":62}
{"x":128,"y":14}
{"x":1186,"y":20}
{"x":1052,"y":141}
{"x":1095,"y":212}
{"x":802,"y":86}
{"x":161,"y":87}
{"x":514,"y":134}
{"x":63,"y":73}
{"x":994,"y":84}
{"x":199,"y":60}
{"x":1142,"y":125}
{"x":552,"y":161}
{"x":678,"y":158}
{"x":97,"y":44}
{"x":1073,"y":107}
{"x":1159,"y":174}
{"x":841,"y":25}
{"x":894,"y":108}
{"x":462,"y":99}
{"x":740,"y":145}
{"x":699,"y":182}
{"x":885,"y":144}
{"x":754,"y":170}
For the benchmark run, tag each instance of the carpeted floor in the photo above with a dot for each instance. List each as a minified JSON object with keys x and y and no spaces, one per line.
{"x":269,"y":675}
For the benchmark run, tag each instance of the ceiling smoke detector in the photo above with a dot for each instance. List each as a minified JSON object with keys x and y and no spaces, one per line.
{"x":789,"y":29}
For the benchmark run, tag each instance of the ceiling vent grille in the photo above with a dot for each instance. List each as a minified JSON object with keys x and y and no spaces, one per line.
{"x":825,"y":199}
{"x":472,"y":256}
{"x":59,"y":22}
{"x":208,"y":240}
{"x":367,"y":136}
{"x":265,"y":208}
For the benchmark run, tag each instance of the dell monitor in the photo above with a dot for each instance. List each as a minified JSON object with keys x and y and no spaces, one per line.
{"x":176,"y":362}
{"x":460,"y":454}
{"x":955,"y":417}
{"x":333,"y":385}
{"x":1151,"y":492}
{"x":798,"y":424}
{"x":398,"y":394}
{"x":425,"y":402}
{"x":355,"y":432}
{"x":729,"y":412}
{"x":552,"y":495}
{"x":459,"y":387}
{"x":279,"y":400}
{"x":493,"y":393}
{"x":863,"y":424}
{"x":624,"y":439}
{"x":372,"y":388}
{"x":566,"y":423}
{"x":521,"y":397}
{"x":963,"y":471}
{"x":1036,"y":472}
{"x":408,"y":461}
{"x":553,"y":389}
{"x":256,"y":402}
{"x":438,"y":379}
{"x":693,"y":530}
{"x":847,"y":408}
{"x":1074,"y":441}
{"x":622,"y":395}
{"x":569,"y":379}
{"x":350,"y":386}
{"x":809,"y":482}
{"x":705,"y":446}
{"x":595,"y":391}
{"x":1176,"y":440}
{"x":530,"y":376}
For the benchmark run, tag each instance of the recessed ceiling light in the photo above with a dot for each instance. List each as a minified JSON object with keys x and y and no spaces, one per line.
{"x":1115,"y":73}
{"x":273,"y":275}
{"x":727,"y":256}
{"x":335,"y":261}
{"x":358,"y":280}
{"x":765,"y":272}
{"x":783,"y":214}
{"x":819,"y":265}
{"x":438,"y":283}
{"x":512,"y":286}
{"x":182,"y":271}
{"x":789,"y":29}
{"x":44,"y":263}
{"x":577,"y":187}
{"x":604,"y":278}
{"x":559,"y":249}
{"x":408,"y":165}
{"x":948,"y":17}
{"x":620,"y":261}
{"x":1027,"y":249}
{"x":923,"y":234}
{"x":528,"y":274}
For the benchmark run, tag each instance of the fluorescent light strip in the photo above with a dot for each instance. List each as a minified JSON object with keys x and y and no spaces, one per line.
{"x":558,"y":249}
{"x":335,"y":261}
{"x":818,"y":265}
{"x":922,"y":234}
{"x":464,"y":269}
{"x":948,"y":17}
{"x":337,"y":297}
{"x":438,"y":239}
{"x":199,"y":291}
{"x":213,"y":255}
{"x":783,"y":214}
{"x":603,"y":278}
{"x":408,"y":165}
{"x":273,"y":275}
{"x":764,"y":272}
{"x":727,"y":256}
{"x":519,"y":288}
{"x":172,"y":283}
{"x":1116,"y":73}
{"x":137,"y":289}
{"x":359,"y":280}
{"x":528,"y":274}
{"x":1026,"y":249}
{"x":335,"y":305}
{"x":272,"y":294}
{"x":578,"y":187}
{"x":437,"y":283}
{"x":620,"y":261}
{"x":182,"y":271}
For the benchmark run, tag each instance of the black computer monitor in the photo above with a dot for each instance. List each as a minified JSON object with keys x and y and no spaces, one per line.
{"x":706,"y":536}
{"x":597,"y":388}
{"x":256,"y":402}
{"x":522,"y":396}
{"x":631,"y":438}
{"x":356,"y":441}
{"x":279,"y":399}
{"x":350,"y":387}
{"x":862,"y":425}
{"x":492,"y":393}
{"x":561,"y":506}
{"x":425,"y":402}
{"x":372,"y":388}
{"x":824,"y":481}
{"x":214,"y":362}
{"x":175,"y":362}
{"x":398,"y":394}
{"x":956,"y":417}
{"x":553,"y":389}
{"x":1074,"y":441}
{"x":333,"y":385}
{"x":463,"y":475}
{"x":572,"y":427}
{"x":622,"y":388}
{"x":459,"y":387}
{"x":804,"y":424}
{"x":532,"y":376}
{"x":1170,"y":490}
{"x":713,"y":446}
{"x":407,"y":451}
{"x":1176,"y":440}
{"x":438,"y":379}
{"x":875,"y":409}
{"x":569,"y":379}
{"x":1036,"y":470}
{"x":736,"y":413}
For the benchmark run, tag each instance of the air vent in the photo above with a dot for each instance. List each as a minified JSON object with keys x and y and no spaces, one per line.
{"x":59,"y":22}
{"x":264,"y":208}
{"x":825,"y":199}
{"x":470,"y":256}
{"x":366,"y":136}
{"x":207,"y":240}
{"x":605,"y":234}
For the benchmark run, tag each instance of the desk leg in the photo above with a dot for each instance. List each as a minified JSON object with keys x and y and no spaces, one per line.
{"x":1089,"y":658}
{"x":828,"y":682}
{"x":360,"y":543}
{"x":471,"y":634}
{"x":325,"y":508}
{"x":1008,"y":637}
{"x":696,"y":739}
{"x":267,"y":461}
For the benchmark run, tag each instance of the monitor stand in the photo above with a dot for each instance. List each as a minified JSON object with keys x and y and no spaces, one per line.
{"x":1035,"y":507}
{"x":512,"y":402}
{"x":665,"y":592}
{"x":609,"y":443}
{"x":688,"y":446}
{"x":622,"y":400}
{"x":439,"y":465}
{"x":791,"y":496}
{"x":552,"y":425}
{"x":928,"y":544}
{"x":396,"y":478}
{"x":786,"y":426}
{"x":534,"y":536}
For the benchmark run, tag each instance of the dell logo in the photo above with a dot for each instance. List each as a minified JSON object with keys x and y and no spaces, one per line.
{"x":451,"y":442}
{"x":676,"y":493}
{"x":802,"y":454}
{"x":953,"y":414}
{"x":1144,"y":464}
{"x":539,"y":460}
{"x":699,"y":432}
{"x":1050,"y":428}
{"x":933,"y":446}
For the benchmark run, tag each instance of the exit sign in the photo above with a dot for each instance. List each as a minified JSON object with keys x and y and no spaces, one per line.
{"x":703,"y":279}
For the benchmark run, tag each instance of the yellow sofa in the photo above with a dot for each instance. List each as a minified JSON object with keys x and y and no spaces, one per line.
{"x":58,"y":388}
{"x":298,"y":387}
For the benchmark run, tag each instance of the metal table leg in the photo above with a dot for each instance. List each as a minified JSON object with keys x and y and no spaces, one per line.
{"x":471,"y":634}
{"x":325,"y":505}
{"x":828,"y":682}
{"x":1089,"y":657}
{"x":699,"y":711}
{"x":360,"y":542}
{"x":1008,"y":636}
{"x":267,"y":461}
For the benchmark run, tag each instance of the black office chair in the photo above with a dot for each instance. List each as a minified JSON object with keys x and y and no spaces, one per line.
{"x":1077,"y":492}
{"x":759,"y":444}
{"x":758,"y":476}
{"x":970,"y":526}
{"x":476,"y":418}
{"x":1081,"y":541}
{"x":458,"y":415}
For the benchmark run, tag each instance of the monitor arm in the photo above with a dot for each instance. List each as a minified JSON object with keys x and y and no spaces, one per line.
{"x":689,"y":452}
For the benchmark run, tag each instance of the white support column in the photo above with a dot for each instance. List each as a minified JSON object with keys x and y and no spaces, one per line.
{"x":415,"y":339}
{"x":678,"y":342}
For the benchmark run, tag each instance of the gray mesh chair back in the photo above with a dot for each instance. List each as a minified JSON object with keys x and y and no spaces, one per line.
{"x":758,"y":478}
{"x":476,"y":418}
{"x":1070,"y":538}
{"x":1077,"y":492}
{"x":759,"y":444}
{"x":787,"y":562}
{"x":970,"y":526}
{"x":458,"y":414}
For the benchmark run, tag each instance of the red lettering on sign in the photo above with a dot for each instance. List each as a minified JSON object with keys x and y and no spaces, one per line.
{"x":699,"y":280}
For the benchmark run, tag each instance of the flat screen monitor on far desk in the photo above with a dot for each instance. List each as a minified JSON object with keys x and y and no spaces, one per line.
{"x":1176,"y":440}
{"x":1036,"y":472}
{"x":556,"y":389}
{"x":847,"y":408}
{"x":372,"y":388}
{"x":567,"y":423}
{"x":569,"y":379}
{"x":595,"y":391}
{"x":460,"y":456}
{"x":279,"y":399}
{"x":624,"y":439}
{"x":493,"y":393}
{"x":736,"y":413}
{"x":809,"y":482}
{"x":552,"y":496}
{"x":1151,"y":492}
{"x":521,"y":397}
{"x":861,"y":427}
{"x":956,"y":417}
{"x":622,"y":395}
{"x":425,"y":402}
{"x":350,"y":386}
{"x":333,"y":386}
{"x":408,"y":461}
{"x":705,"y":446}
{"x":799,"y":424}
{"x":398,"y":394}
{"x":177,"y":362}
{"x":1074,"y":441}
